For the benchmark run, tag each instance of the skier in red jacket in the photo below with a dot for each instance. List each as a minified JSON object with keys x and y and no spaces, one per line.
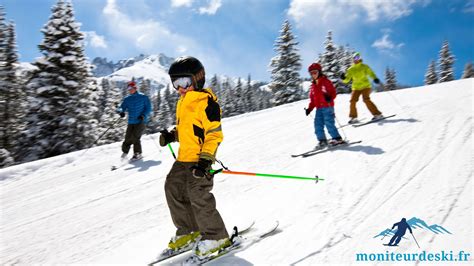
{"x":322,"y":95}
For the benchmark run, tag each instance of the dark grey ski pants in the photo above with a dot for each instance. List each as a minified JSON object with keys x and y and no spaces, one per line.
{"x":191,"y":203}
{"x":132,"y":136}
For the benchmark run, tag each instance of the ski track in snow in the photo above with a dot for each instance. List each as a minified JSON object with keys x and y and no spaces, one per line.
{"x":73,"y":209}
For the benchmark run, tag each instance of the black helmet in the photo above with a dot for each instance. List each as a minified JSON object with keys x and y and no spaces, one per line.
{"x":188,"y":66}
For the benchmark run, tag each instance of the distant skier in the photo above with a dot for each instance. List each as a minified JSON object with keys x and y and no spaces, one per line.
{"x":138,"y":107}
{"x":359,"y":73}
{"x":321,"y":96}
{"x":189,"y":183}
{"x":401,"y":230}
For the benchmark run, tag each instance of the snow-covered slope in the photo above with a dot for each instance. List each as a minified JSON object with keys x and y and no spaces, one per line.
{"x":73,"y":209}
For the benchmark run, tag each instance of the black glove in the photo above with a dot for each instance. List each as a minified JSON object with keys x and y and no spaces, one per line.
{"x":122,"y":114}
{"x":377,"y":81}
{"x":141,"y":117}
{"x":166,"y":137}
{"x":307,"y":111}
{"x":327,"y":98}
{"x":343,"y":76}
{"x":201,"y":169}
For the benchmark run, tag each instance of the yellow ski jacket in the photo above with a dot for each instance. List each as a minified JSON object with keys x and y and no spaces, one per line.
{"x":198,"y":125}
{"x":359,"y":73}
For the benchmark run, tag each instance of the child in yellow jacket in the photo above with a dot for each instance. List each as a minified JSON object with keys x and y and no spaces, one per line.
{"x":189,"y":183}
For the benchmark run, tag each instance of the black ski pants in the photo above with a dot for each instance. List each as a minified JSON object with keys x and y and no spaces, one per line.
{"x":132,"y":136}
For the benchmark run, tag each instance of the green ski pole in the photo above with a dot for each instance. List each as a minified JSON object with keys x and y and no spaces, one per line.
{"x":172,"y":152}
{"x":317,"y":179}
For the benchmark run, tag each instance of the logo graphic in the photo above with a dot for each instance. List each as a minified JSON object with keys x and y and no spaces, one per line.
{"x":403,"y":225}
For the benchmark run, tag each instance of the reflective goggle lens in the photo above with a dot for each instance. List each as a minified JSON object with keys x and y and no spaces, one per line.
{"x":357,"y":58}
{"x":182,"y":82}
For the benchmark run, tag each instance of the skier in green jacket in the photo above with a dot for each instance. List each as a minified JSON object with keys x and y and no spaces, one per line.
{"x":359,"y":73}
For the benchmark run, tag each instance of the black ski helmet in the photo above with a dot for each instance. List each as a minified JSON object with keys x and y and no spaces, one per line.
{"x":188,"y":66}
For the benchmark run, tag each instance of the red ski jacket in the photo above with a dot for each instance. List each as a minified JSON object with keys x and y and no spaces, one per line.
{"x":319,"y":88}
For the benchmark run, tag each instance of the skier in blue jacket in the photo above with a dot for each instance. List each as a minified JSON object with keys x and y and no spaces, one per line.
{"x":138,"y":107}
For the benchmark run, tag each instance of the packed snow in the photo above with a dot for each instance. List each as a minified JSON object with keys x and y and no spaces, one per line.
{"x":73,"y":209}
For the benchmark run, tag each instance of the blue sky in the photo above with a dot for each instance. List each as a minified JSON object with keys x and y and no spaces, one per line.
{"x":236,"y":37}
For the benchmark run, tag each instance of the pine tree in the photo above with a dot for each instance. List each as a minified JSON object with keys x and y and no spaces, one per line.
{"x":215,"y":86}
{"x":468,"y":71}
{"x":61,"y":113}
{"x":446,"y":61}
{"x":6,"y":159}
{"x":249,"y":96}
{"x":157,"y":101}
{"x":3,"y":82}
{"x":390,"y":79}
{"x":7,"y":84}
{"x":431,"y":77}
{"x":331,"y":64}
{"x":339,"y":60}
{"x":16,"y":97}
{"x":102,"y":92}
{"x":239,"y":97}
{"x":172,"y":103}
{"x":110,"y":120}
{"x":145,"y":87}
{"x":228,"y":104}
{"x":154,"y":124}
{"x":285,"y":67}
{"x":164,"y":114}
{"x":344,"y":58}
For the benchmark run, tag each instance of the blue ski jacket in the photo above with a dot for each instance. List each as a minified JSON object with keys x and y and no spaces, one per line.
{"x":136,"y":104}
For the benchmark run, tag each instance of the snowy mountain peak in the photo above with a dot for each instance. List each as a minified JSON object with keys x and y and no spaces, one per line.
{"x":161,"y":59}
{"x":103,"y":67}
{"x":142,"y":67}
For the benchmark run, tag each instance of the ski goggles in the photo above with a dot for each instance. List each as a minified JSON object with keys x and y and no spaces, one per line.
{"x":356,"y":57}
{"x":182,"y":82}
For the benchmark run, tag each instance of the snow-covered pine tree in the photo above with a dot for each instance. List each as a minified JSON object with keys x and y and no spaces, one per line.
{"x":102,"y":92}
{"x":156,"y":100}
{"x":239,"y":97}
{"x":445,"y":63}
{"x":3,"y":82}
{"x":468,"y":71}
{"x":173,"y":102}
{"x":215,"y":86}
{"x":344,"y":64}
{"x":331,"y":63}
{"x":390,"y":79}
{"x":164,"y":116}
{"x":16,"y":97}
{"x":6,"y":141}
{"x":61,"y":112}
{"x":260,"y":98}
{"x":145,"y":87}
{"x":348,"y":59}
{"x":6,"y":159}
{"x":110,"y":120}
{"x":228,"y":105}
{"x":265,"y":95}
{"x":431,"y":77}
{"x":249,"y":96}
{"x":154,"y":126}
{"x":285,"y":67}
